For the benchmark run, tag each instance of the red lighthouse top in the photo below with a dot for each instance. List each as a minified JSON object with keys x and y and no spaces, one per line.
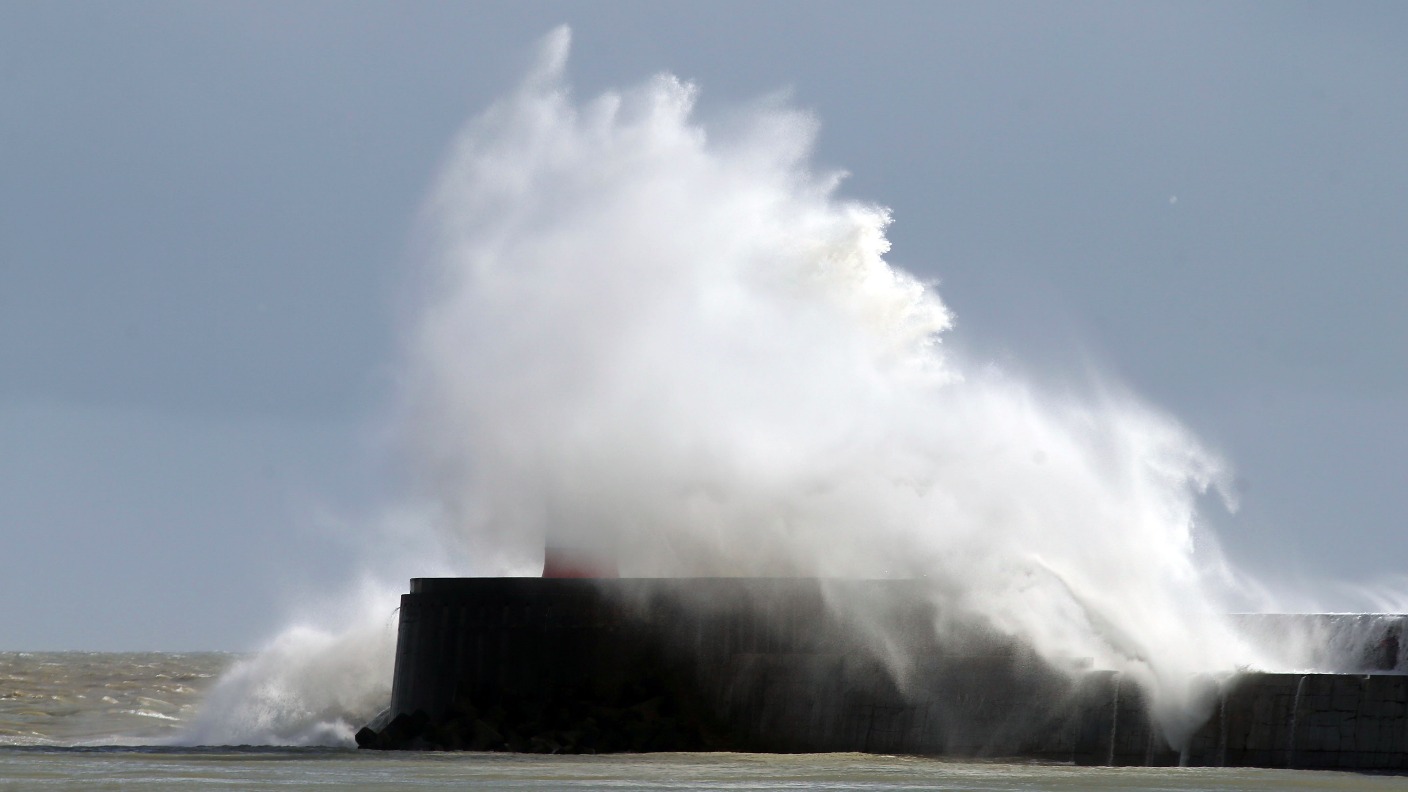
{"x":574,"y":562}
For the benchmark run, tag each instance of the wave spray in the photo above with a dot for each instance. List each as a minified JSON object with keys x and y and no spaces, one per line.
{"x":677,"y":344}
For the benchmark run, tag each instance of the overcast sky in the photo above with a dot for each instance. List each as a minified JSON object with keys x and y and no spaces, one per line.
{"x":205,"y":208}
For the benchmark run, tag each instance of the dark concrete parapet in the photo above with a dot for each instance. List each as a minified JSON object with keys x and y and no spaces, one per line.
{"x":764,"y":664}
{"x":533,"y":664}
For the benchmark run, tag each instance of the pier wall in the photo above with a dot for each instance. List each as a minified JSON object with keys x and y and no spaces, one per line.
{"x":790,"y":665}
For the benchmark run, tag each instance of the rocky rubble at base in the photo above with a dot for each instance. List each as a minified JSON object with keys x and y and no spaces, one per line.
{"x":652,"y":723}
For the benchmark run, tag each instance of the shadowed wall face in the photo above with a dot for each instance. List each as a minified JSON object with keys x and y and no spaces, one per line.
{"x":768,"y":665}
{"x":764,"y":662}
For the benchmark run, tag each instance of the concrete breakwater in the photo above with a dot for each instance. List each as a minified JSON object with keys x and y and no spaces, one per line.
{"x":531,"y":664}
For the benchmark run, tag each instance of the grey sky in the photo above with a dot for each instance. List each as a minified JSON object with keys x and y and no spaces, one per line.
{"x":203,"y":209}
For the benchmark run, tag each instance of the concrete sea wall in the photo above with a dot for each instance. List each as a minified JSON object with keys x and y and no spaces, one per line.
{"x":768,"y":665}
{"x":1304,"y":721}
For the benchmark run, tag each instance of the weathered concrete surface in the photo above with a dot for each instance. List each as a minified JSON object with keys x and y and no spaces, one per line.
{"x":766,"y":665}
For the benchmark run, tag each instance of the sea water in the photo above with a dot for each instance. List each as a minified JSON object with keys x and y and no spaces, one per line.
{"x":84,"y":720}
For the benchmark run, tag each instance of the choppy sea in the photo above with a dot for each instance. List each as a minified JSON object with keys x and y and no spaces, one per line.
{"x":81,"y":720}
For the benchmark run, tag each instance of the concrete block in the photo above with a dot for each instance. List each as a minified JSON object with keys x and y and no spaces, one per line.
{"x":765,"y":655}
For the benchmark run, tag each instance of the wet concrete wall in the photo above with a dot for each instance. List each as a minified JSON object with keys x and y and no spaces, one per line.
{"x":792,"y":665}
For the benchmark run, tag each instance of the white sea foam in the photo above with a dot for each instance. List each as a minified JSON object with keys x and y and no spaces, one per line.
{"x":677,"y":343}
{"x":312,"y":685}
{"x":151,"y":714}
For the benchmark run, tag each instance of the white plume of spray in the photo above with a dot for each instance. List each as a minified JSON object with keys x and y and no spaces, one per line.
{"x":679,"y":346}
{"x":315,"y":683}
{"x":330,"y":671}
